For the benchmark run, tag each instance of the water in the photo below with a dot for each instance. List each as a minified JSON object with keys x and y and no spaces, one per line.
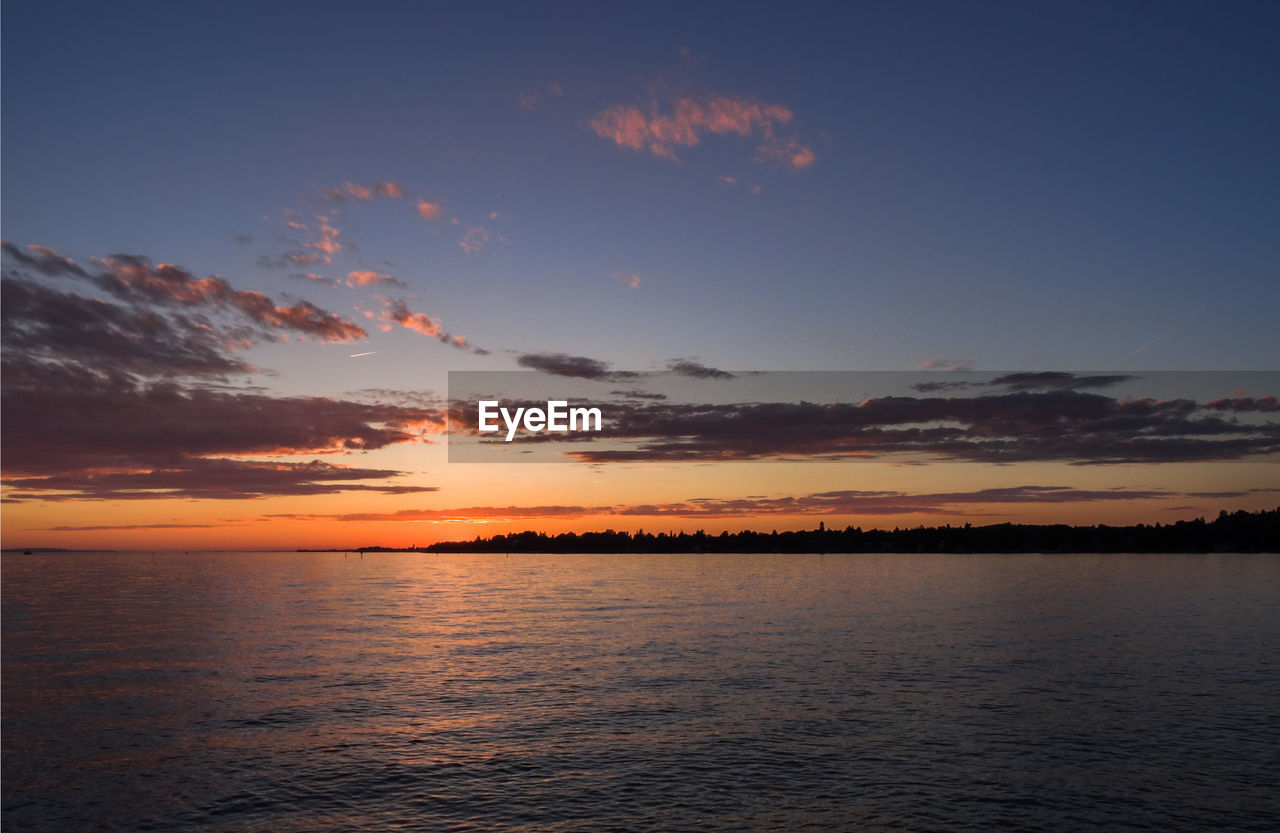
{"x":302,"y":692}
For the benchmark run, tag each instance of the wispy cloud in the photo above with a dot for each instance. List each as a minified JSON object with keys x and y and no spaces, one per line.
{"x":661,"y":127}
{"x":1058,"y":380}
{"x":368,"y":278}
{"x":364,"y":193}
{"x":1022,"y":426}
{"x":562,"y":364}
{"x":289,"y":260}
{"x":850,"y":502}
{"x":140,"y":282}
{"x":211,"y":479}
{"x":145,"y":362}
{"x":328,"y":242}
{"x":398,"y":311}
{"x":697,"y":370}
{"x":429,"y":210}
{"x":474,"y":240}
{"x":946,"y":364}
{"x":531,"y":98}
{"x":1245,"y":404}
{"x":632,"y":280}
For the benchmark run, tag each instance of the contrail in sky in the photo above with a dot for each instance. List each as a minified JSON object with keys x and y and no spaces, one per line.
{"x":1177,"y":326}
{"x":358,"y":355}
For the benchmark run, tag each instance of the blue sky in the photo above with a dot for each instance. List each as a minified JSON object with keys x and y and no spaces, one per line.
{"x":1008,"y":184}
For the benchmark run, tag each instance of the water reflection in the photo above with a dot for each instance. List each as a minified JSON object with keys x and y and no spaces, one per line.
{"x":308,"y":691}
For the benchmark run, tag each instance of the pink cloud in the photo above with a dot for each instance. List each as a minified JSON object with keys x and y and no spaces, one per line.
{"x":358,"y":191}
{"x":371,"y":279}
{"x":397,"y":311}
{"x":130,"y":276}
{"x":837,"y":503}
{"x":1245,"y":404}
{"x":788,"y":152}
{"x":429,"y":210}
{"x":366,"y":192}
{"x":474,"y":240}
{"x":631,"y":280}
{"x":689,"y":119}
{"x":328,"y":242}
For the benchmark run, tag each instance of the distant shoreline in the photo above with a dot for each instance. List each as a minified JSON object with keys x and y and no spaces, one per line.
{"x":1254,"y":532}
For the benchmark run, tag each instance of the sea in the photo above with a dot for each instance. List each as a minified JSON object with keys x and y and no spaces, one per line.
{"x":403,"y":691}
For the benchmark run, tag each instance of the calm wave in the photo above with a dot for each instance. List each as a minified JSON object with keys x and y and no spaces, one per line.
{"x":301,"y":692}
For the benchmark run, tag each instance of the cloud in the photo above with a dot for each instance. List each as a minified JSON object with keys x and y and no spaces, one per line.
{"x":788,"y":151}
{"x":364,"y":193}
{"x":328,"y":242}
{"x":474,"y":240}
{"x":103,"y":528}
{"x":398,"y":311}
{"x":164,"y":439}
{"x":49,"y":332}
{"x":151,"y":435}
{"x":117,"y":397}
{"x":211,"y":479}
{"x":43,"y":260}
{"x":688,"y":120}
{"x":1056,"y":380}
{"x":530,"y":99}
{"x":314,"y":278}
{"x":946,"y":364}
{"x":137,"y":281}
{"x":288,"y":260}
{"x":696,"y":370}
{"x":728,"y":180}
{"x":429,"y":210}
{"x":862,"y":502}
{"x":373,"y":279}
{"x":937,"y":387}
{"x":151,"y":421}
{"x":1245,"y":404}
{"x":1056,"y":425}
{"x":638,"y":394}
{"x":633,"y":280}
{"x":304,"y":317}
{"x":562,"y":364}
{"x":467,"y":513}
{"x":358,"y":191}
{"x":844,"y":502}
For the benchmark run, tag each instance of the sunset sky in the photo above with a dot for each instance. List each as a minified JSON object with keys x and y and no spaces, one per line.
{"x":246,"y":243}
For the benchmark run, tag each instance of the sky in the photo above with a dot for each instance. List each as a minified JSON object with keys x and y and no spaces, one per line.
{"x":247,"y":242}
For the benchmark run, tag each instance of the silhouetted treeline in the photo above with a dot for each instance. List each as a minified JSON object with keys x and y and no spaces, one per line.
{"x":1230,"y":532}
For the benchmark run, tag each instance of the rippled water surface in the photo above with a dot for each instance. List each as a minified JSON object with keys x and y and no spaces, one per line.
{"x":301,"y":692}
